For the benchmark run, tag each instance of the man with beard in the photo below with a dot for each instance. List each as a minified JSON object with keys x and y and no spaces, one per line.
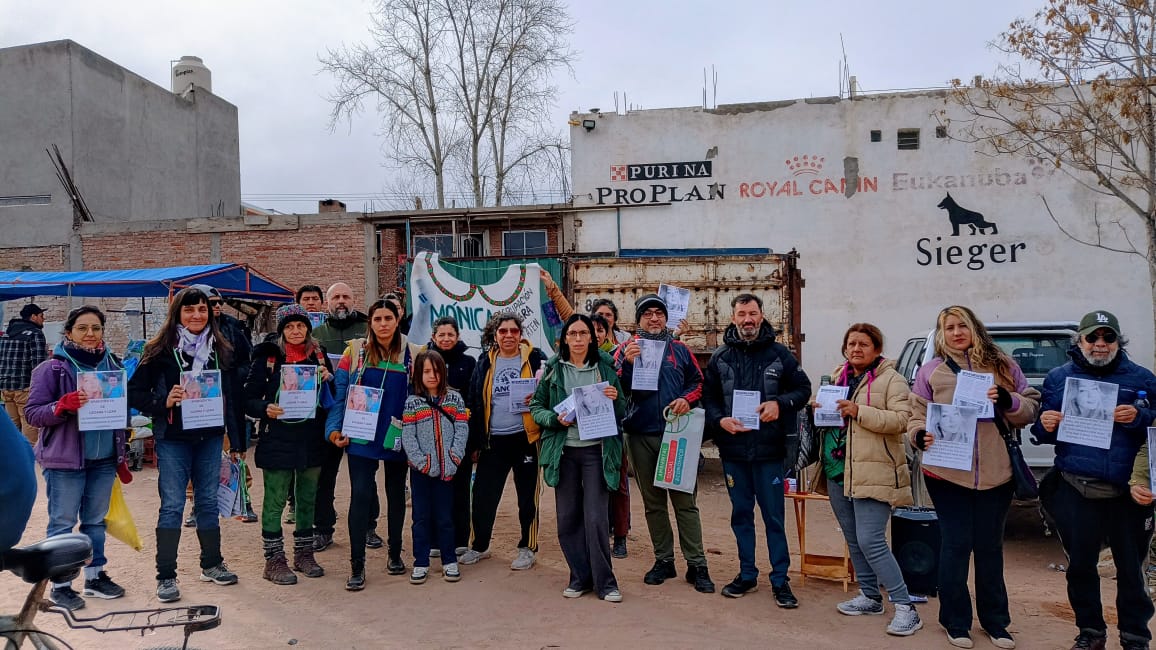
{"x":751,"y":360}
{"x":342,"y":324}
{"x":679,"y":387}
{"x":1087,"y":491}
{"x":22,"y":348}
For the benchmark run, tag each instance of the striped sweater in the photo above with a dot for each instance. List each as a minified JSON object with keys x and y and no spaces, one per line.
{"x":434,"y":443}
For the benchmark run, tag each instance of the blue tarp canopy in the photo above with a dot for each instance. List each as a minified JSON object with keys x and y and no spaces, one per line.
{"x":232,"y":280}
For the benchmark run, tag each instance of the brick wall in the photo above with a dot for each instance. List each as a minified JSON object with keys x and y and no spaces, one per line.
{"x":36,"y":258}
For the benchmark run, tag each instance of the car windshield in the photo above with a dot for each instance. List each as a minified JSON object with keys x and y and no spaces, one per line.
{"x":1036,"y":354}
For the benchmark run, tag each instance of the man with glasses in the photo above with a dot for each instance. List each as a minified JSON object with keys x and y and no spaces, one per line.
{"x":507,"y":439}
{"x":679,"y":387}
{"x":1087,"y":491}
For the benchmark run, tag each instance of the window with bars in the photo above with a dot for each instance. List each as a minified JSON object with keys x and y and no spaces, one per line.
{"x":524,"y":242}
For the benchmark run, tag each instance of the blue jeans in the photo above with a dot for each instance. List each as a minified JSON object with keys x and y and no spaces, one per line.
{"x":864,"y":524}
{"x":84,"y":493}
{"x":761,"y":482}
{"x":181,"y":462}
{"x":433,"y":518}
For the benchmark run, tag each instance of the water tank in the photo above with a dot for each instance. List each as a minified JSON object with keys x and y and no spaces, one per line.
{"x":191,"y":71}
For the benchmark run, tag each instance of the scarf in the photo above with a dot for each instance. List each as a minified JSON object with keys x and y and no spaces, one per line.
{"x":664,"y":335}
{"x":197,"y":346}
{"x":88,"y":357}
{"x":296,"y":353}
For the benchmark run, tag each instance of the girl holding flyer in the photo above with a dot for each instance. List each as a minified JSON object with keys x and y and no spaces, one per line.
{"x":972,"y":504}
{"x":79,"y":466}
{"x":582,"y":472}
{"x":291,"y":450}
{"x":381,"y":361}
{"x":434,"y":430}
{"x":189,"y":341}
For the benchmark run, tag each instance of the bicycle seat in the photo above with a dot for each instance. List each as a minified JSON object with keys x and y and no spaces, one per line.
{"x":57,"y":558}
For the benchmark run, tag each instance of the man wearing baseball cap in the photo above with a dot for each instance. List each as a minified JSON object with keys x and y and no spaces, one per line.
{"x":22,"y":348}
{"x":1087,"y":491}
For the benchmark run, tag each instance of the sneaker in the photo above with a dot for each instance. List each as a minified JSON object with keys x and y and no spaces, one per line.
{"x":102,"y":586}
{"x":373,"y":540}
{"x":784,"y":597}
{"x":860,"y":605}
{"x":739,"y":587}
{"x":291,"y":516}
{"x":700,"y":578}
{"x":461,"y":550}
{"x":395,"y":566}
{"x":1001,"y":639}
{"x":571,"y":592}
{"x":419,"y":575}
{"x":435,"y":552}
{"x":524,"y":560}
{"x":248,"y":516}
{"x":906,"y":621}
{"x":168,"y":591}
{"x":1091,"y":640}
{"x":473,"y":557}
{"x":661,"y":570}
{"x":618,"y":549}
{"x":321,"y":541}
{"x":614,"y":596}
{"x":451,"y":572}
{"x":960,"y":639}
{"x":219,"y":574}
{"x":191,"y":520}
{"x":67,"y":598}
{"x":356,"y":581}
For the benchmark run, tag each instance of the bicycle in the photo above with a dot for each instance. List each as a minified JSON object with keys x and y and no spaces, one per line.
{"x":61,"y":558}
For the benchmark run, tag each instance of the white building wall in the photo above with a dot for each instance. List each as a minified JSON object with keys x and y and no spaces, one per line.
{"x":885,"y":254}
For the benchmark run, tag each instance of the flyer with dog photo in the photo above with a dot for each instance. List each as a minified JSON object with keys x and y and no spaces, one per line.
{"x":107,"y":406}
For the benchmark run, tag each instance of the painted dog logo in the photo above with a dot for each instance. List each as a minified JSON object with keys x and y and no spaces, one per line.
{"x":961,"y":216}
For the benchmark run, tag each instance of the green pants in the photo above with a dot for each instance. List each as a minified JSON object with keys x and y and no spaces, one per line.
{"x":643,"y":454}
{"x":278,"y":482}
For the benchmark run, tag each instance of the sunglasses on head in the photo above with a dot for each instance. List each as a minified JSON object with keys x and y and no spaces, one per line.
{"x":1109,"y":337}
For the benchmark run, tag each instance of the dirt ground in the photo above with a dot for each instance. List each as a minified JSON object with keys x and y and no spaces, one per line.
{"x":493,"y":606}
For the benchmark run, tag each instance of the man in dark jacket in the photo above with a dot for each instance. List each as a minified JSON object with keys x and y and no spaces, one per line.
{"x":753,"y":459}
{"x":679,"y":387}
{"x":1087,"y":491}
{"x":22,"y":348}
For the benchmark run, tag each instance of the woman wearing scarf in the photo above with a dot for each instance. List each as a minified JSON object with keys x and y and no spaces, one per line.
{"x":381,"y":360}
{"x":79,"y":466}
{"x":864,"y":470}
{"x":188,"y":342}
{"x":291,"y":450}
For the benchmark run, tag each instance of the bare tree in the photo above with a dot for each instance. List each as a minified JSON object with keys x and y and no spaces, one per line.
{"x":462,"y":86}
{"x":1090,"y":112}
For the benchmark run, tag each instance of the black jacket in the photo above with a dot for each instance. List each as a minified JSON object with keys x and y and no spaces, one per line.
{"x":459,"y":366}
{"x":763,"y":365}
{"x":679,"y":376}
{"x":238,"y":336}
{"x":284,"y":444}
{"x":149,"y":389}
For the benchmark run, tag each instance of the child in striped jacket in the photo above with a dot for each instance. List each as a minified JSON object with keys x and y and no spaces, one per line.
{"x":435,"y":426}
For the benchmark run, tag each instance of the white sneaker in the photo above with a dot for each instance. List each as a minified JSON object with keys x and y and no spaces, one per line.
{"x":451,"y":572}
{"x":461,"y":550}
{"x":906,"y":621}
{"x":472,"y":557}
{"x":860,"y":605}
{"x":420,"y":573}
{"x":613,"y":597}
{"x":574,"y":593}
{"x":524,"y":561}
{"x":434,"y":552}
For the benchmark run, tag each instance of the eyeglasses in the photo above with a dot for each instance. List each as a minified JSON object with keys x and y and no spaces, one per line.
{"x":216,"y":303}
{"x":507,"y":331}
{"x":85,"y":329}
{"x":578,"y":334}
{"x":1109,"y":337}
{"x":651,"y":313}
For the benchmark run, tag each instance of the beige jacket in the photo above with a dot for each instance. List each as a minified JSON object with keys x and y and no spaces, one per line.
{"x":876,"y":465}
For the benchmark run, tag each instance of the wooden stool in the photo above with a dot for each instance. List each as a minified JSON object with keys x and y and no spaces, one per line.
{"x":827,"y":567}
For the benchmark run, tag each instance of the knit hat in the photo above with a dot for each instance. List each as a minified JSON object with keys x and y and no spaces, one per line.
{"x":1093,"y":321}
{"x":649,"y":301}
{"x":292,"y":312}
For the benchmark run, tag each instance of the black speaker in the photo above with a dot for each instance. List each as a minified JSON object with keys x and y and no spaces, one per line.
{"x":915,"y":542}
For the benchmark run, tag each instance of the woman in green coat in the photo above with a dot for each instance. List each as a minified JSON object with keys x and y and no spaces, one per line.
{"x":582,"y":470}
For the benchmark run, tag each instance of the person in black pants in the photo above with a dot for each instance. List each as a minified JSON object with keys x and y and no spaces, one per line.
{"x":459,"y":369}
{"x":507,"y":440}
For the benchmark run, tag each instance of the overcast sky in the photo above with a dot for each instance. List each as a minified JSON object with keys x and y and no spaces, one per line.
{"x":264,"y":58}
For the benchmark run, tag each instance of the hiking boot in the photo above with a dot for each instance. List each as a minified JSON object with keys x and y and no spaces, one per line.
{"x":168,"y":591}
{"x":472,"y":557}
{"x":219,"y":574}
{"x":356,"y":581}
{"x":1091,"y":640}
{"x":303,"y":559}
{"x":373,"y":540}
{"x":524,"y":560}
{"x":102,"y":586}
{"x":618,"y":550}
{"x":277,"y":570}
{"x":861,"y":605}
{"x":451,"y":572}
{"x":700,"y":578}
{"x":738,"y":587}
{"x":419,"y":575}
{"x":67,"y":598}
{"x":1133,"y":643}
{"x":906,"y":621}
{"x":784,"y":597}
{"x":322,"y":541}
{"x":1001,"y":639}
{"x":960,"y":638}
{"x":661,"y":570}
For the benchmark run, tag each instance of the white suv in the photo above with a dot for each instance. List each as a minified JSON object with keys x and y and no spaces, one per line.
{"x":1036,"y":347}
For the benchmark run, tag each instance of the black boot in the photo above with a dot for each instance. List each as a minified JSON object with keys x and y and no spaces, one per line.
{"x":168,"y":540}
{"x":700,"y":578}
{"x":395,"y":567}
{"x":356,"y":581}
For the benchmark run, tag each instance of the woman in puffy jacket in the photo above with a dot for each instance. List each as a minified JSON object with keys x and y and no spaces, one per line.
{"x":972,"y":504}
{"x":79,"y":466}
{"x":864,"y":470}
